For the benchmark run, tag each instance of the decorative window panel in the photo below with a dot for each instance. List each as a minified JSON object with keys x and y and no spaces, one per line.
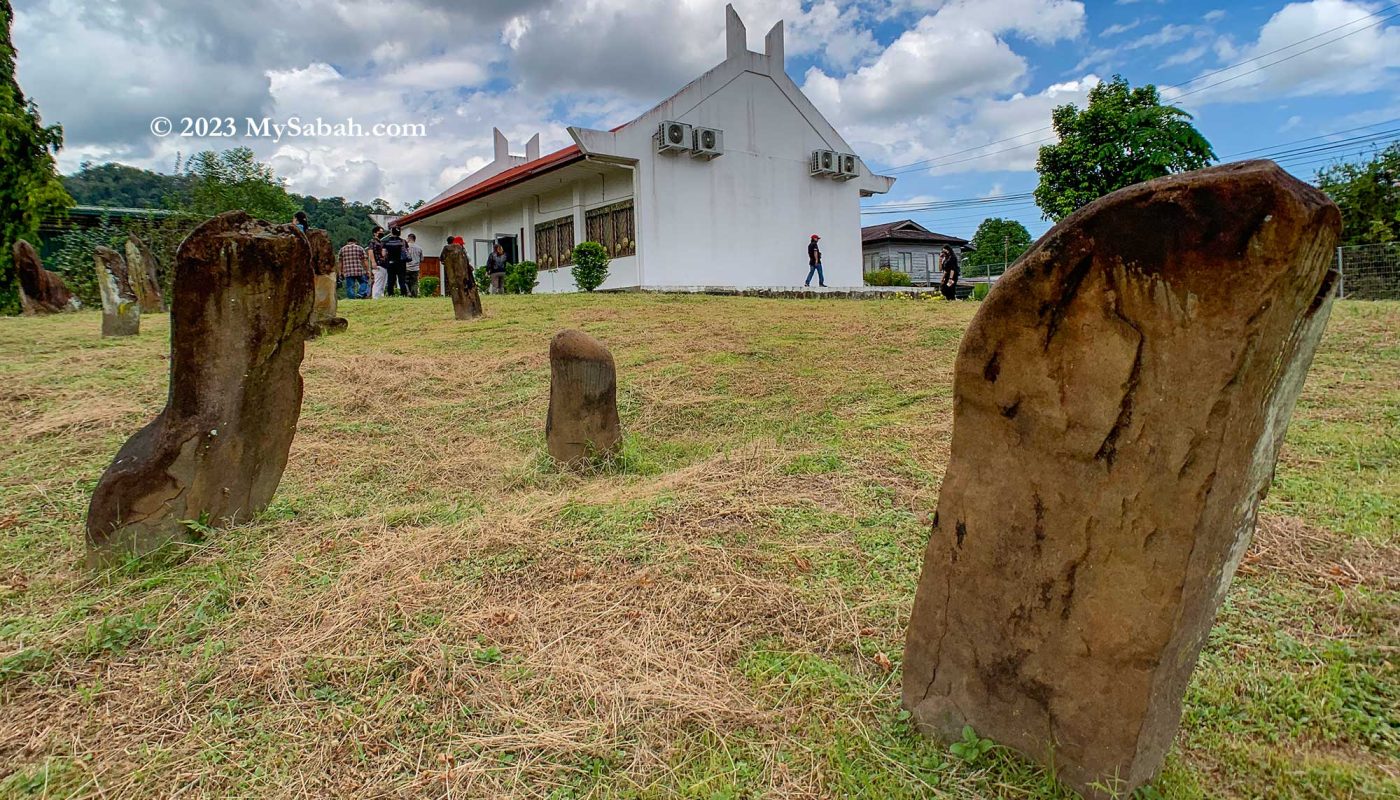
{"x":554,"y":243}
{"x":614,"y":227}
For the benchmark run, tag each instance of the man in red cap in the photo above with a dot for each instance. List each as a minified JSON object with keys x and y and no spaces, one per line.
{"x":814,"y":262}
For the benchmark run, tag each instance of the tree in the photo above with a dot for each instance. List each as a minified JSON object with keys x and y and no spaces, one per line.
{"x":116,"y":184}
{"x":997,"y":242}
{"x":30,"y":189}
{"x":1368,"y":194}
{"x":590,"y":265}
{"x":236,"y":180}
{"x":1125,"y":136}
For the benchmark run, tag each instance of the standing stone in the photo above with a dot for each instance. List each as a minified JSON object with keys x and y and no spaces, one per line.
{"x":582,"y":424}
{"x":243,"y":293}
{"x":40,"y":291}
{"x":121,"y":310}
{"x":461,"y":282}
{"x":323,"y":309}
{"x":1120,"y":400}
{"x":144,"y":274}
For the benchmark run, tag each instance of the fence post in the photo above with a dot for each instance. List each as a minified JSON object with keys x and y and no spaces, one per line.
{"x":1341,"y":276}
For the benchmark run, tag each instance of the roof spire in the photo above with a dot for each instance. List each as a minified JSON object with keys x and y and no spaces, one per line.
{"x":773,"y":45}
{"x":736,"y":37}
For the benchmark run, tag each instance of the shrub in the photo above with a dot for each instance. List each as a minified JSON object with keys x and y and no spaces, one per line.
{"x":482,"y":279}
{"x":887,"y":277}
{"x":521,"y":278}
{"x":590,"y":265}
{"x":980,"y":291}
{"x":427,"y":287}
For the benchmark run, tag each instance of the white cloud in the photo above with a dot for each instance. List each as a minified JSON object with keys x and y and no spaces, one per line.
{"x":1185,"y":56}
{"x":1114,"y":30}
{"x":1364,"y":61}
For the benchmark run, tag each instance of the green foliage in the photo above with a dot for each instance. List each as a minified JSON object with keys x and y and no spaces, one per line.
{"x":72,"y":251}
{"x":29,"y":185}
{"x":114,"y":184}
{"x":521,"y":278}
{"x":972,"y":747}
{"x":887,"y":277}
{"x":428,"y":286}
{"x":342,"y":219}
{"x":590,"y":265}
{"x":482,"y":279}
{"x":980,"y":291}
{"x":1368,"y":194}
{"x":235,"y":179}
{"x":998,"y":242}
{"x":1125,"y":136}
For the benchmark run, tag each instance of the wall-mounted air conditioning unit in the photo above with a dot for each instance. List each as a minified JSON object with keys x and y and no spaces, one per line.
{"x":847,"y":166}
{"x":707,"y":144}
{"x":824,"y":163}
{"x":673,"y":137}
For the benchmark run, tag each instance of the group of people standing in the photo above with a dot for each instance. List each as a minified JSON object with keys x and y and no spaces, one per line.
{"x":388,"y":265}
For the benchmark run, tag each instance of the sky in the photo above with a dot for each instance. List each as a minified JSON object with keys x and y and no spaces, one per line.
{"x":951,"y":96}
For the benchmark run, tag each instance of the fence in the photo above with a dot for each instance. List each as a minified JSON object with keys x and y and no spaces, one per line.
{"x":1369,"y":271}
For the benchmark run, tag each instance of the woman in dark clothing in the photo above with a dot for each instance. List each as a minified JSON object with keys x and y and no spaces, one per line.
{"x":948,"y":262}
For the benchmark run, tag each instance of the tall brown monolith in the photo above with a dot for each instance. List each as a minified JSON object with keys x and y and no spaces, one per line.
{"x":461,"y":282}
{"x":241,"y":310}
{"x":40,"y":291}
{"x":121,"y":310}
{"x":144,"y":273}
{"x":323,"y":309}
{"x":1120,"y":400}
{"x":582,"y":424}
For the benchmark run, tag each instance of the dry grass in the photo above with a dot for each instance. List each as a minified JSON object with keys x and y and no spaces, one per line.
{"x":430,"y":609}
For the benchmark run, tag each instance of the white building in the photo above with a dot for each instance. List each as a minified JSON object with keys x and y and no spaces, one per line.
{"x":722,"y":184}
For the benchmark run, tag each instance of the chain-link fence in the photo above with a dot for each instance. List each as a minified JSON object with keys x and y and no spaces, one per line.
{"x":1370,"y":271}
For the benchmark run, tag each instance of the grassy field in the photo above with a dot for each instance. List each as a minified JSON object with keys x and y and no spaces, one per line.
{"x":429,"y":608}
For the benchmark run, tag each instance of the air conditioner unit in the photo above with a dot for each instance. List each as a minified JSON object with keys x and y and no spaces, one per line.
{"x":707,"y":144}
{"x":847,"y":167}
{"x":673,"y":137}
{"x":824,"y":162}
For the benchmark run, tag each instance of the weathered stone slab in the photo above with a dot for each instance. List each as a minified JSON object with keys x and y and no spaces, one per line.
{"x":40,"y":291}
{"x":461,"y":282}
{"x":121,"y":310}
{"x":1120,"y":400}
{"x":241,"y":311}
{"x":324,"y":318}
{"x":582,"y":424}
{"x":144,"y":273}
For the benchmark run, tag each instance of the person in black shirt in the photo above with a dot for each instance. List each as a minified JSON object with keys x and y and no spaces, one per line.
{"x":395,"y":255}
{"x":948,"y":262}
{"x":814,"y":262}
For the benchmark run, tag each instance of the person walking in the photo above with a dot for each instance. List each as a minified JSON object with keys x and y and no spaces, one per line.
{"x":496,"y":269}
{"x":395,"y":251}
{"x":948,"y":262}
{"x":376,"y":256}
{"x":415,"y":264}
{"x":814,"y":262}
{"x":354,"y":268}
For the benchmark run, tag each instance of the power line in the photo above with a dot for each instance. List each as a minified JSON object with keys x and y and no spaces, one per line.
{"x":928,"y":163}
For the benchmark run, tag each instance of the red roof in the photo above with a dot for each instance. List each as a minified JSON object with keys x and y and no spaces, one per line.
{"x":516,"y":174}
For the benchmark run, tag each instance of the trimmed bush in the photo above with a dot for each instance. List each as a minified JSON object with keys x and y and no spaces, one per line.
{"x":980,"y":291}
{"x":887,"y":277}
{"x":428,"y":287}
{"x":482,"y":279}
{"x":521,"y":278}
{"x":590,"y":265}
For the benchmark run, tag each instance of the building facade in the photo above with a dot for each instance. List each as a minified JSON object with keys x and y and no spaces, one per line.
{"x":721,"y":184}
{"x":908,"y":247}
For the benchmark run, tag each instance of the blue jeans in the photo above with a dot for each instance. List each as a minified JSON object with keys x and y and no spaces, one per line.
{"x":356,"y":287}
{"x":815,"y":270}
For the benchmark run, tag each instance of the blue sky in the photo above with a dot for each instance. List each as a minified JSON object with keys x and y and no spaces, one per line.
{"x":925,"y":82}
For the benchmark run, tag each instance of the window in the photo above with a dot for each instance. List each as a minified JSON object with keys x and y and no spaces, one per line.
{"x":906,"y":262}
{"x":554,"y":243}
{"x":614,"y":228}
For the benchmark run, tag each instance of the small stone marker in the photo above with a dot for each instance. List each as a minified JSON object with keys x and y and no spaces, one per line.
{"x":241,"y":310}
{"x":40,"y":291}
{"x":121,"y":310}
{"x":461,"y":282}
{"x":1120,"y":400}
{"x":582,"y":424}
{"x":144,"y":274}
{"x":323,"y":309}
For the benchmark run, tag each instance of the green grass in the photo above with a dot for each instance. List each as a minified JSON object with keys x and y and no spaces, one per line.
{"x":430,"y":604}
